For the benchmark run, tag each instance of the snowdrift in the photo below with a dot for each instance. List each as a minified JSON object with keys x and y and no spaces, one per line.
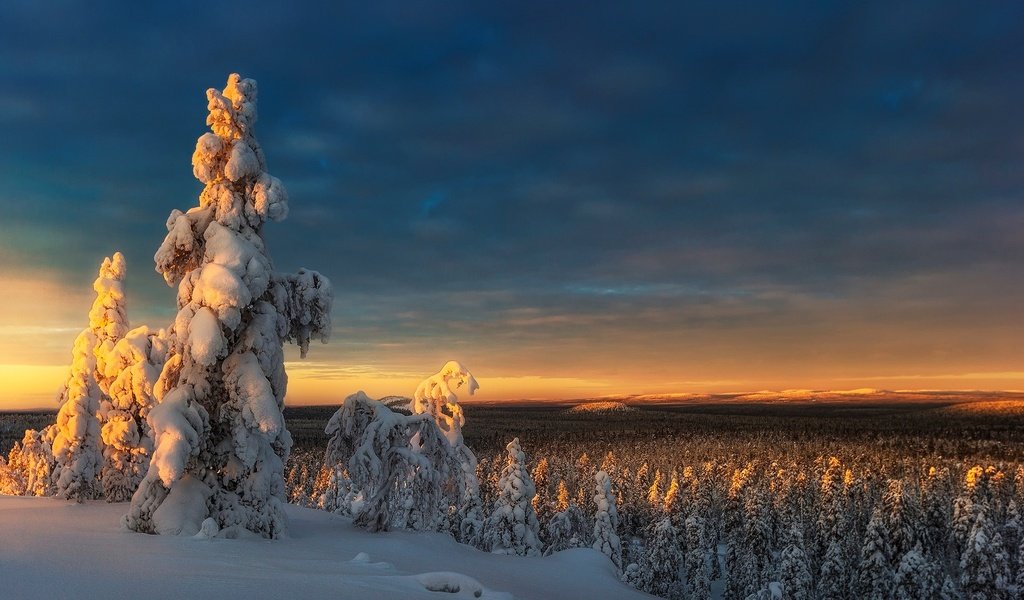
{"x":54,"y":549}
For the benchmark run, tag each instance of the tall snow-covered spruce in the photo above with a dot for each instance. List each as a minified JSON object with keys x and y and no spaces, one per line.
{"x":219,"y":435}
{"x":76,"y":443}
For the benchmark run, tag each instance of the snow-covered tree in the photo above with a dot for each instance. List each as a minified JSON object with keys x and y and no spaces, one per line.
{"x":12,"y":479}
{"x":108,"y":317}
{"x":397,"y":465}
{"x":968,"y":505}
{"x":794,"y":570}
{"x":568,"y":528}
{"x":903,"y":518}
{"x":132,"y":368}
{"x":756,"y":567}
{"x":984,"y":569}
{"x":512,"y":526}
{"x":435,"y":397}
{"x":77,"y":443}
{"x":606,"y":520}
{"x":698,"y":576}
{"x":220,"y":437}
{"x":542,"y":506}
{"x":834,"y":575}
{"x":916,"y":577}
{"x":875,"y":576}
{"x":659,"y":568}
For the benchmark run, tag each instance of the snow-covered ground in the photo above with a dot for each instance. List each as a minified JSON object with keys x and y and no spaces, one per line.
{"x":54,"y":549}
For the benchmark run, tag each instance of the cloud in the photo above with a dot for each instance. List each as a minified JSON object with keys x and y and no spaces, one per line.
{"x":683,"y":192}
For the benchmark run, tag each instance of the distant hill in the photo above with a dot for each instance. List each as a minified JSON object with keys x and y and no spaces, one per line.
{"x":601,"y":407}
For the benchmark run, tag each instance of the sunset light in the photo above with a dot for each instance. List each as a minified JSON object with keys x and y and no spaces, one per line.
{"x":532,"y":300}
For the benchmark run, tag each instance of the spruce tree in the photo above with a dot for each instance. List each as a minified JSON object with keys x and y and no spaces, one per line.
{"x":660,"y":566}
{"x":984,"y":570}
{"x":77,"y":444}
{"x":132,"y":368}
{"x":794,"y":570}
{"x":219,"y":431}
{"x":834,"y":575}
{"x":606,"y":520}
{"x":875,"y":576}
{"x":916,"y":577}
{"x":512,"y":526}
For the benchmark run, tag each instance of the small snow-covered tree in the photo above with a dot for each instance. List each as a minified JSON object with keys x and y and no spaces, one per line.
{"x":606,"y":520}
{"x":132,"y":367}
{"x":219,"y":431}
{"x":903,"y":516}
{"x":834,"y":575}
{"x":698,"y":576}
{"x":512,"y":526}
{"x":875,"y":576}
{"x":435,"y":397}
{"x":659,"y":568}
{"x":108,"y":317}
{"x":396,"y":465}
{"x":77,"y":443}
{"x":566,"y":529}
{"x":12,"y":480}
{"x":916,"y":577}
{"x":794,"y":569}
{"x":756,"y":566}
{"x":984,"y":570}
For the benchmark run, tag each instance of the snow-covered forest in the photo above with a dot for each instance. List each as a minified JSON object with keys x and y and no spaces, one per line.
{"x":185,"y":426}
{"x":757,"y":501}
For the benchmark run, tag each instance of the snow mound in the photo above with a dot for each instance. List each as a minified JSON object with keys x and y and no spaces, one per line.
{"x":601,"y":407}
{"x":183,"y":512}
{"x":456,"y":584}
{"x":323,"y":556}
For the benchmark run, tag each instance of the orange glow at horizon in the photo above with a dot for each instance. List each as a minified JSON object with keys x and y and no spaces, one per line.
{"x":527,"y":361}
{"x":36,"y":386}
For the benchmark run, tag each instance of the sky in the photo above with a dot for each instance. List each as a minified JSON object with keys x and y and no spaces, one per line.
{"x":574,"y":199}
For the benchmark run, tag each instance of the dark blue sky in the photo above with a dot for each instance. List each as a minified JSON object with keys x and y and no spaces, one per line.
{"x":598,"y":196}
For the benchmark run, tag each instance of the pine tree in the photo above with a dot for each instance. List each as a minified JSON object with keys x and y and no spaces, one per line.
{"x":757,"y":562}
{"x":834,"y":575}
{"x":512,"y":527}
{"x":794,"y":571}
{"x":698,"y":576}
{"x":606,"y":520}
{"x":1012,"y":528}
{"x":131,"y":368}
{"x":1019,"y":580}
{"x":659,"y":568}
{"x":916,"y":577}
{"x":220,"y":436}
{"x":949,"y":591}
{"x":12,"y":479}
{"x":967,"y":506}
{"x":875,"y":576}
{"x":984,"y":571}
{"x":654,"y":497}
{"x":400,"y":468}
{"x":903,"y":518}
{"x":435,"y":396}
{"x":562,"y":497}
{"x":541,"y":479}
{"x":673,"y":500}
{"x":936,"y":503}
{"x":567,"y":529}
{"x":77,"y":444}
